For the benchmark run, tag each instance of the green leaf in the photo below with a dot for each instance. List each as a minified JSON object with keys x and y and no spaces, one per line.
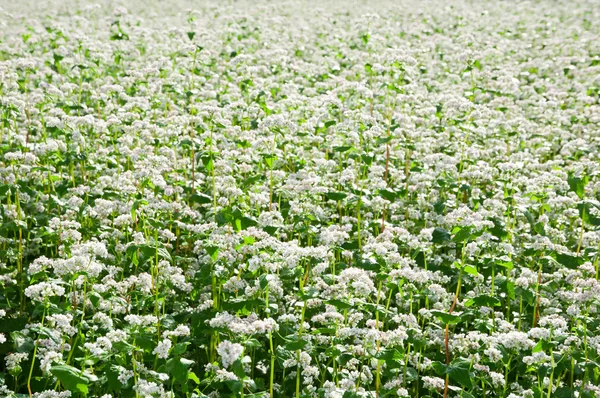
{"x":94,"y":298}
{"x":263,"y":281}
{"x":446,"y":318}
{"x":22,"y":342}
{"x":178,"y":369}
{"x":207,"y":161}
{"x":462,"y":235}
{"x":459,"y":372}
{"x":180,"y":348}
{"x":367,"y":159}
{"x":200,"y":198}
{"x":339,"y":304}
{"x":242,"y":222}
{"x":564,"y":392}
{"x":234,"y":385}
{"x":507,"y":287}
{"x":224,"y":216}
{"x":341,"y":148}
{"x":213,"y":252}
{"x":506,"y":264}
{"x":577,"y":184}
{"x":337,"y":196}
{"x":46,"y":332}
{"x":269,"y":160}
{"x":137,"y":205}
{"x":162,"y":252}
{"x":5,"y":190}
{"x":568,"y":260}
{"x":483,"y":300}
{"x":542,"y":345}
{"x":388,"y":195}
{"x":112,"y":377}
{"x":71,"y":378}
{"x":238,"y":368}
{"x":270,"y":230}
{"x":439,"y":367}
{"x":389,"y":354}
{"x":586,"y":214}
{"x":384,"y":140}
{"x":296,"y":345}
{"x":471,"y":270}
{"x":192,"y":376}
{"x":440,"y":235}
{"x":134,"y":258}
{"x":253,"y":343}
{"x":119,"y":36}
{"x":123,"y":346}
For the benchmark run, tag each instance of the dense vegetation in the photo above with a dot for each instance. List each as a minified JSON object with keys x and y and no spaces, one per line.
{"x":254,"y":199}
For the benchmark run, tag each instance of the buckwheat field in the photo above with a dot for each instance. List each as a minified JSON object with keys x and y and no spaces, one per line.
{"x":299,"y":199}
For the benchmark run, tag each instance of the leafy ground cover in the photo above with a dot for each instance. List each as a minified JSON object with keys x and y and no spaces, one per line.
{"x":269,"y":199}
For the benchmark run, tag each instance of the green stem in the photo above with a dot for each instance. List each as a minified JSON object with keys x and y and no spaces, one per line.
{"x":551,"y":375}
{"x":35,"y":354}
{"x":298,"y":372}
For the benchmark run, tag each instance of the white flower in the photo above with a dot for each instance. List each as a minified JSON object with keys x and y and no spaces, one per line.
{"x":14,"y":359}
{"x":433,"y":383}
{"x":497,"y":379}
{"x":44,"y":290}
{"x":52,"y":394}
{"x":229,"y":352}
{"x":124,"y":375}
{"x":163,"y":348}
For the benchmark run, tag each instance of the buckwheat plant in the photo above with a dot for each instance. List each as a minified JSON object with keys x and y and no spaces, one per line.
{"x":307,"y":199}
